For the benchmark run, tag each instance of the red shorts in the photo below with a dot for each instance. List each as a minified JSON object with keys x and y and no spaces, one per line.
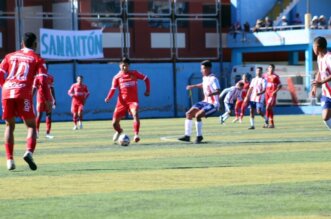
{"x":122,"y":109}
{"x":22,"y":108}
{"x":41,"y":107}
{"x":77,"y":107}
{"x":270,"y":100}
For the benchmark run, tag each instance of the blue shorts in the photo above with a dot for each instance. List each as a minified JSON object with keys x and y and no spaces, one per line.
{"x":256,"y":105}
{"x":229,"y":107}
{"x":325,"y":102}
{"x":206,"y":107}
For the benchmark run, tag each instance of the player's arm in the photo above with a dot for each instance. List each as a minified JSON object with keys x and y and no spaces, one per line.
{"x":112,"y":90}
{"x":146,"y":80}
{"x":53,"y":95}
{"x":71,"y":91}
{"x":225,"y":91}
{"x":279,"y":86}
{"x":189,"y":87}
{"x":44,"y":85}
{"x":319,"y":81}
{"x":148,"y":86}
{"x":249,"y":92}
{"x":314,"y":85}
{"x":216,"y":92}
{"x":3,"y":71}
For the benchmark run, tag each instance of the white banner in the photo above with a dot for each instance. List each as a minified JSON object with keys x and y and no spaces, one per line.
{"x":62,"y":44}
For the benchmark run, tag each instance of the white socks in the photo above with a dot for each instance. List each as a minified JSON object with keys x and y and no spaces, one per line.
{"x":328,"y":123}
{"x":198,"y":127}
{"x":225,"y":116}
{"x":251,"y":121}
{"x":188,"y":127}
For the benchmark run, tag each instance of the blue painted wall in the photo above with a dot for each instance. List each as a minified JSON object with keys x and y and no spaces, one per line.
{"x":98,"y":78}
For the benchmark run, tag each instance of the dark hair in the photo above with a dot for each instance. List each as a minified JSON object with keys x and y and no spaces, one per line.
{"x":206,"y":63}
{"x":241,"y":84}
{"x":125,"y":60}
{"x":260,"y":68}
{"x":80,"y":76}
{"x":321,"y":42}
{"x":272,"y":66}
{"x":28,"y":39}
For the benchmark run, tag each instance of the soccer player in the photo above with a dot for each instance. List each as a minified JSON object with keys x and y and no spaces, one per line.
{"x":41,"y":102}
{"x":240,"y":106}
{"x":232,"y":94}
{"x":17,"y":72}
{"x":126,"y":82}
{"x":79,"y":93}
{"x":255,"y":94}
{"x":323,"y":78}
{"x":205,"y":108}
{"x":273,"y":86}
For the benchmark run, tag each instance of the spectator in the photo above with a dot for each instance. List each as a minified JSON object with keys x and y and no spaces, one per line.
{"x":329,"y":23}
{"x":268,"y":24}
{"x":297,"y":19}
{"x":322,"y":23}
{"x":314,"y":23}
{"x":247,"y":29}
{"x":235,"y":29}
{"x":259,"y":24}
{"x":284,"y":21}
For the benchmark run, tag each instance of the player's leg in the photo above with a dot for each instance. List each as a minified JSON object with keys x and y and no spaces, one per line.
{"x":134,"y":108}
{"x":207,"y":110}
{"x":118,"y":114}
{"x":228,"y":111}
{"x":25,"y":111}
{"x":30,"y":142}
{"x":9,"y":142}
{"x":74,"y":111}
{"x":8,"y":107}
{"x":242,"y":111}
{"x":49,"y":125}
{"x":267,"y":110}
{"x":237,"y":110}
{"x":38,"y":120}
{"x":188,"y":121}
{"x":252,"y":114}
{"x":326,"y":115}
{"x":271,"y":103}
{"x":80,"y":115}
{"x":326,"y":112}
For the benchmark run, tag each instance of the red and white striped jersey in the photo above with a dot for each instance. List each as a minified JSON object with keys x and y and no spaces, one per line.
{"x":210,"y":84}
{"x":232,"y":93}
{"x":257,"y":85}
{"x":324,"y":67}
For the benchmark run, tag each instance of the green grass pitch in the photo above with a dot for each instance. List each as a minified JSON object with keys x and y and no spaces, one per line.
{"x":237,"y":173}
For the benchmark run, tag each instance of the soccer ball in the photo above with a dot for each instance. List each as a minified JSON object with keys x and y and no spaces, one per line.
{"x":124,"y":140}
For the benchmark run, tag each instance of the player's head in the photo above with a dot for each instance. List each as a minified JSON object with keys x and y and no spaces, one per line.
{"x":29,"y":40}
{"x":271,"y":68}
{"x":79,"y":79}
{"x":258,"y":71}
{"x":240,"y":85}
{"x":245,"y":77}
{"x":320,"y":45}
{"x":206,"y":67}
{"x":124,"y":64}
